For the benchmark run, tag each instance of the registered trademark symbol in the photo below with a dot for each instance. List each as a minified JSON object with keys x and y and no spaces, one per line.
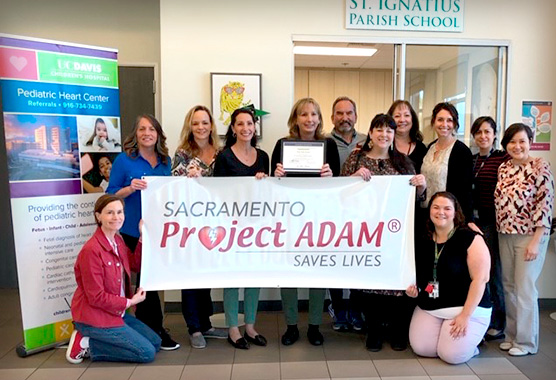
{"x":394,"y":225}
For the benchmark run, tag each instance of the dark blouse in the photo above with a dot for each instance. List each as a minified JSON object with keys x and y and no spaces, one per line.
{"x":332,"y":158}
{"x":485,"y":175}
{"x":228,"y":165}
{"x":417,"y":155}
{"x":453,"y":275}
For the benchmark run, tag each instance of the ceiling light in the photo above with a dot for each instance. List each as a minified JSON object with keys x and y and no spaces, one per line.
{"x":328,"y":50}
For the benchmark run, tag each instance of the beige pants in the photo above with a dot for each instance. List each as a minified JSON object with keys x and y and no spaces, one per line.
{"x":519,"y":278}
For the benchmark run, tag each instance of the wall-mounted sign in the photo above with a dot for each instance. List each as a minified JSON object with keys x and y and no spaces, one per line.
{"x":538,"y":116}
{"x":409,"y":15}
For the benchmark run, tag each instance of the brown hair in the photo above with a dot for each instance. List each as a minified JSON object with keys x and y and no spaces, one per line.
{"x":459,"y":218}
{"x":513,"y":130}
{"x":400,"y":162}
{"x":130,"y":143}
{"x":344,"y":99}
{"x":105,"y":200}
{"x":446,"y":107}
{"x":414,"y":133}
{"x":92,"y":138}
{"x":479,"y":121}
{"x":231,"y":137}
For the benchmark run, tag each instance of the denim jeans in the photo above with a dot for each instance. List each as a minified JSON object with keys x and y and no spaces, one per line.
{"x":133,"y":342}
{"x":344,"y":307}
{"x":196,"y":307}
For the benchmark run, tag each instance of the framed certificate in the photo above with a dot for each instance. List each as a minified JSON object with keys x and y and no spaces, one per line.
{"x":300,"y":156}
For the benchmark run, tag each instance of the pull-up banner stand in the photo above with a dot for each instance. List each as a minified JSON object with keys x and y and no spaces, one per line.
{"x":61,"y":116}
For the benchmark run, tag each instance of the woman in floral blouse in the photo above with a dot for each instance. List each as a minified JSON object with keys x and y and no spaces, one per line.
{"x":523,"y":198}
{"x":199,"y":145}
{"x":195,"y":157}
{"x":377,"y":157}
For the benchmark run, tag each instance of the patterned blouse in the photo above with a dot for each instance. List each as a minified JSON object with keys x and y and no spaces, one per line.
{"x":524,"y":197}
{"x":183,"y":164}
{"x":377,"y":166}
{"x":435,"y":170}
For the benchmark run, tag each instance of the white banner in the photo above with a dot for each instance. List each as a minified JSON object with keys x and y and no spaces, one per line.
{"x":289,"y":232}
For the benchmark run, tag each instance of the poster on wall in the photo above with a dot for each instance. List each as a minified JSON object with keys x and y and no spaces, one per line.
{"x":230,"y":92}
{"x":61,"y":116}
{"x":538,"y":116}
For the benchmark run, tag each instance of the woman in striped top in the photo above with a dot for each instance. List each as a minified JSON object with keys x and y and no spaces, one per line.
{"x":485,"y":172}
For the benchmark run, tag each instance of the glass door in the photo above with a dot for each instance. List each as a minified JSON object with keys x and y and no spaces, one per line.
{"x":471,"y":75}
{"x":472,"y":78}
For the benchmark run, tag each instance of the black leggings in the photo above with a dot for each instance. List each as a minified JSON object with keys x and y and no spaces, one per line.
{"x":149,"y":311}
{"x":381,"y":310}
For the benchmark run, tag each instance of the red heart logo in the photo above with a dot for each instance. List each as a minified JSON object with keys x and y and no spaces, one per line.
{"x":211,"y":237}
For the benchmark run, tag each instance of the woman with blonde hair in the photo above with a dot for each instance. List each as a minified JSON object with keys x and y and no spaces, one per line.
{"x":199,"y":144}
{"x":305,"y":123}
{"x":195,"y":157}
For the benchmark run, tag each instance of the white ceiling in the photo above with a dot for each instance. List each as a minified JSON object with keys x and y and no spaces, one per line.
{"x":418,"y":57}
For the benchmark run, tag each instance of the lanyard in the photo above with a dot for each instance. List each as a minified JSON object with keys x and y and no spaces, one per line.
{"x":482,"y":163}
{"x":437,"y":253}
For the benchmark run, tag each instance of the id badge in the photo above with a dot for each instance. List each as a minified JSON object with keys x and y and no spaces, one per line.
{"x":433,"y":289}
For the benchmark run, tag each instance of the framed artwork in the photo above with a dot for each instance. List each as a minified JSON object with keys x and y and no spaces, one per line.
{"x":231,"y":91}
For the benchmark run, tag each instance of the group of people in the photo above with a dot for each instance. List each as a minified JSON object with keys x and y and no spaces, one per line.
{"x":481,"y":230}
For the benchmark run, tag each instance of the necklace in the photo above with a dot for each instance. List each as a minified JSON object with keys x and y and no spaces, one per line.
{"x":408,"y":147}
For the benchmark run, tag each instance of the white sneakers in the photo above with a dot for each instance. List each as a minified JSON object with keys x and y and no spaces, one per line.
{"x":513,"y":350}
{"x":517,"y":351}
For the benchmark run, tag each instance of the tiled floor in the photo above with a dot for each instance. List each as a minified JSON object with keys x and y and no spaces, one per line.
{"x":342,"y":356}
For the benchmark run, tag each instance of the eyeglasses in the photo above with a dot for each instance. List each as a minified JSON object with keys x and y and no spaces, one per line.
{"x":237,"y":90}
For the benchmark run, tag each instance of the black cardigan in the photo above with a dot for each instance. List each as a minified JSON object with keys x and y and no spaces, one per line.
{"x":460,"y":177}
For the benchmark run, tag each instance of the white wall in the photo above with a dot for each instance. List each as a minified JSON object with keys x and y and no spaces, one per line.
{"x":254,"y":36}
